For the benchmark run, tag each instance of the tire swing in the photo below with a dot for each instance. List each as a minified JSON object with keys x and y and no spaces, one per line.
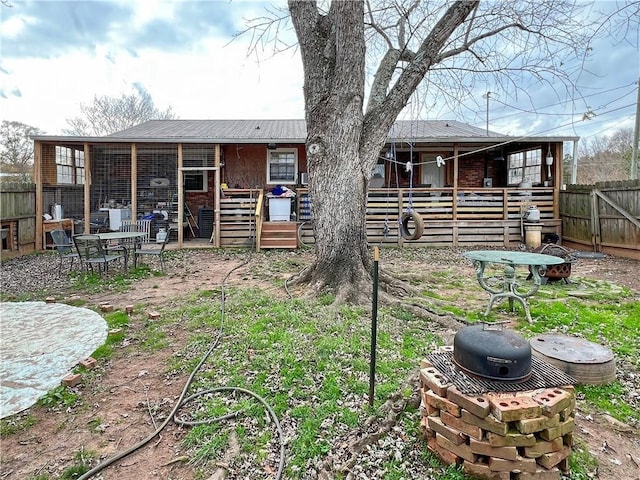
{"x":411,"y":216}
{"x":418,"y":225}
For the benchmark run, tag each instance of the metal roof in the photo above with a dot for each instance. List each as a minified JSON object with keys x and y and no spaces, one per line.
{"x":288,"y":131}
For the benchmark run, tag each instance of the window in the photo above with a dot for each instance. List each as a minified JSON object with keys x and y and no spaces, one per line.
{"x":282,"y":166}
{"x":69,"y":165}
{"x":194,"y":156}
{"x":195,"y":181}
{"x":526,"y":165}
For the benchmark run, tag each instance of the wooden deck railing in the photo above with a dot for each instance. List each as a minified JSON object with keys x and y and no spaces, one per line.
{"x":452,"y":217}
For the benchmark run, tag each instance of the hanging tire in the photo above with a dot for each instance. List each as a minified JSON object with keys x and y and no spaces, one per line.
{"x":418,"y":229}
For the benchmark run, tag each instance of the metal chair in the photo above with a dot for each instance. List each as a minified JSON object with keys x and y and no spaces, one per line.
{"x":64,"y":247}
{"x":92,"y":252}
{"x":156,"y":249}
{"x":141,"y":226}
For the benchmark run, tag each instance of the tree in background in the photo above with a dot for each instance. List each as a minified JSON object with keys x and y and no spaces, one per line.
{"x":381,"y":52}
{"x":16,"y":147}
{"x":107,"y":115}
{"x":606,"y":157}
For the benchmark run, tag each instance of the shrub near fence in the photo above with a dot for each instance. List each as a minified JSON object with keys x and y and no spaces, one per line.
{"x":604,"y":217}
{"x":17,"y":217}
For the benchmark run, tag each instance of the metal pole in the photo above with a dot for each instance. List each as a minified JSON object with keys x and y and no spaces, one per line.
{"x":488,"y":95}
{"x":636,"y":134}
{"x":374,"y":326}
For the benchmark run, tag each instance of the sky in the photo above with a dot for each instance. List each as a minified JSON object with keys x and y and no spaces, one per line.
{"x":55,"y":55}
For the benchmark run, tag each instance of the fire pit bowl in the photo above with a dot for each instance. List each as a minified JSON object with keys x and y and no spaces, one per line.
{"x":492,"y":352}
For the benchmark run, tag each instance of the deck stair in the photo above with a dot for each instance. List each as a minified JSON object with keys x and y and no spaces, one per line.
{"x":279,"y":235}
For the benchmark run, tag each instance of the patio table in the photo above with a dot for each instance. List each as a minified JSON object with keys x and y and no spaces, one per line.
{"x":510,"y":287}
{"x":120,"y":236}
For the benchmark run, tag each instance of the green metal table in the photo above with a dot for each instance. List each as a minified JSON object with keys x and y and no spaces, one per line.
{"x":510,"y":287}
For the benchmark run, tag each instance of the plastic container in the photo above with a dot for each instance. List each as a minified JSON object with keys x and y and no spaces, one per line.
{"x":57,"y":212}
{"x":279,"y":209}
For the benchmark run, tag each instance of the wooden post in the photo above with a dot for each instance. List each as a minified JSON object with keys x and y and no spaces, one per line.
{"x":180,"y":179}
{"x":87,"y":189}
{"x":134,"y":182}
{"x":37,"y":173}
{"x":216,"y":197}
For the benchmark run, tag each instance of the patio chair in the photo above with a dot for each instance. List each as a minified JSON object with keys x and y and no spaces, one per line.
{"x":156,"y":249}
{"x":141,"y":226}
{"x":92,"y":252}
{"x":64,"y":247}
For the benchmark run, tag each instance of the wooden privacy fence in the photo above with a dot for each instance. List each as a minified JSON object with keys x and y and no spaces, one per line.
{"x":604,"y":217}
{"x":17,"y":217}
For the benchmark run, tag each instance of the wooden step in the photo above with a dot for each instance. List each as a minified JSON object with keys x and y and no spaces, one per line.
{"x":279,"y":235}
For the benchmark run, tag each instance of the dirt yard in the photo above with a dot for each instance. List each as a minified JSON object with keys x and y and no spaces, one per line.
{"x":132,"y":392}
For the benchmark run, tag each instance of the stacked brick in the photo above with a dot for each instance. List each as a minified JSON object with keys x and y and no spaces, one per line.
{"x":502,"y":436}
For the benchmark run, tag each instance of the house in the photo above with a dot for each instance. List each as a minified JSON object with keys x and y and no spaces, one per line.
{"x":210,"y":179}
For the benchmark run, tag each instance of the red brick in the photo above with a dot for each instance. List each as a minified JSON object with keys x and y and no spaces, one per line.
{"x":154,"y":315}
{"x":429,"y":409}
{"x":482,"y":471}
{"x":441,"y":403}
{"x":542,"y":447}
{"x":451,"y":434}
{"x":567,"y":426}
{"x":531,"y":425}
{"x":489,"y":423}
{"x":509,"y":409}
{"x":461,"y":451}
{"x":553,"y":401}
{"x":424,"y":428}
{"x":424,"y":363}
{"x":447,"y":457}
{"x":105,"y":307}
{"x":434,"y":381}
{"x":550,"y":433}
{"x":540,"y":474}
{"x":520,"y":465}
{"x":511,"y":439}
{"x":550,"y":460}
{"x":459,"y":424}
{"x":485,"y":448}
{"x":476,"y":404}
{"x":567,"y":413}
{"x":72,"y":380}
{"x":89,"y":363}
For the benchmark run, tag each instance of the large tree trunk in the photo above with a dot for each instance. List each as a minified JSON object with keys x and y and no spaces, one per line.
{"x":342,"y":142}
{"x":333,"y":55}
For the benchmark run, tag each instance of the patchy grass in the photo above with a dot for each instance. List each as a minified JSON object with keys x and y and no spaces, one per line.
{"x":16,"y":423}
{"x":291,"y":352}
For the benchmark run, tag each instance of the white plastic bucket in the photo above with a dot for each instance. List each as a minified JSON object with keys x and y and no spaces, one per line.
{"x":57,"y":212}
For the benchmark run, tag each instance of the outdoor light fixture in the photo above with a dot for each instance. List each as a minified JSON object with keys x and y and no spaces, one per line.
{"x":271,"y":146}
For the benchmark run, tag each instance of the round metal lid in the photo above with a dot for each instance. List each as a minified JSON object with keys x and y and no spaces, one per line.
{"x":570,"y":349}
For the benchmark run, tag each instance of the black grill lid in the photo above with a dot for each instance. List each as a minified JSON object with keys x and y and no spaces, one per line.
{"x":493,"y":352}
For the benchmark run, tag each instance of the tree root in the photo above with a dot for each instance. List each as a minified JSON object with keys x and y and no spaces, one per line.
{"x":345,"y":454}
